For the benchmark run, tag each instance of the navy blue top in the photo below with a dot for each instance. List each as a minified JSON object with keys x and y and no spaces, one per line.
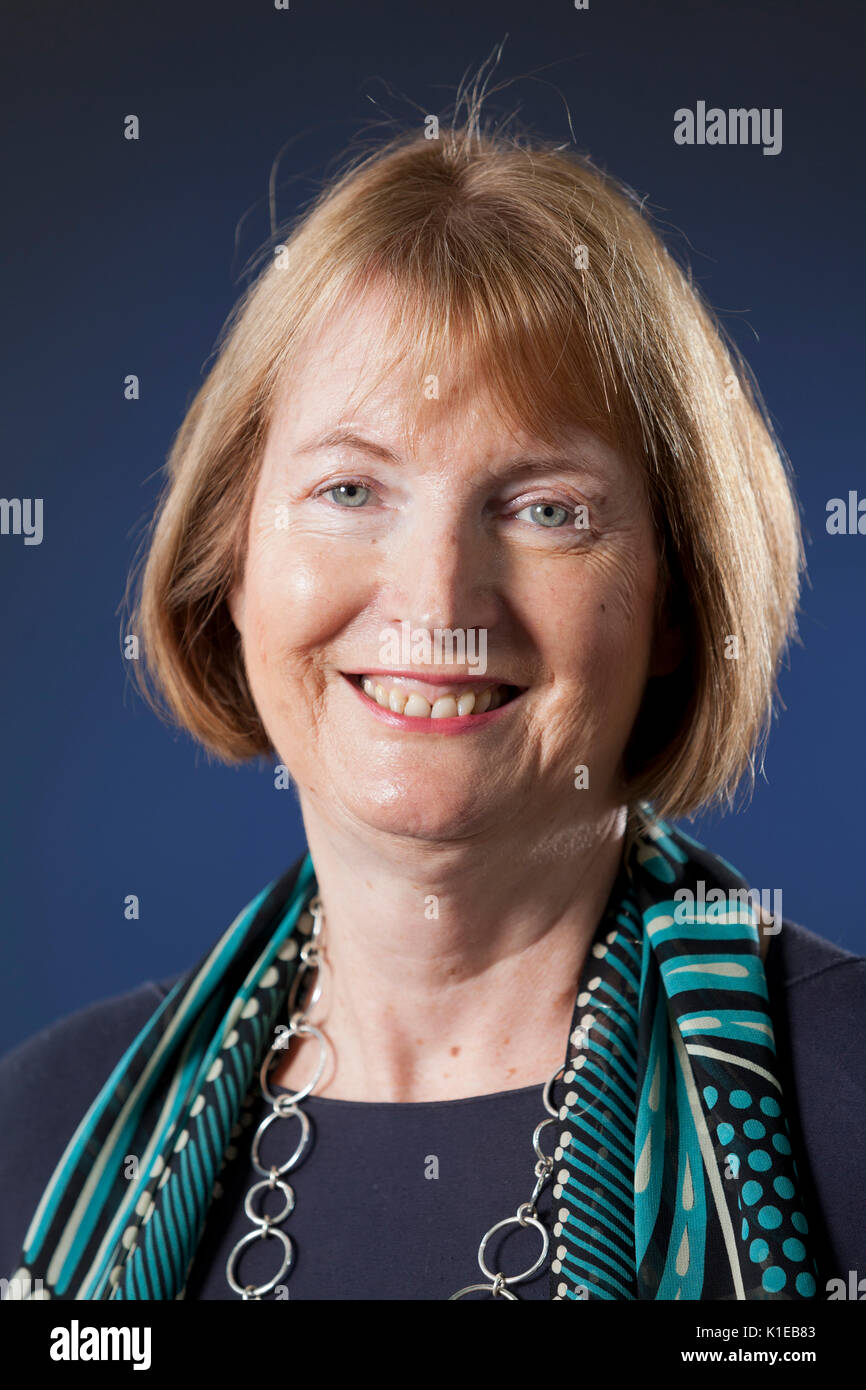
{"x":404,"y":1219}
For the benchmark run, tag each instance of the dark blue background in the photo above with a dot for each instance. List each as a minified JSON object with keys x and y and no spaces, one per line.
{"x":126,"y":257}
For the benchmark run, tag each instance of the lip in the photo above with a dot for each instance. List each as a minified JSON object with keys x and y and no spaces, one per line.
{"x":428,"y":677}
{"x":458,"y":724}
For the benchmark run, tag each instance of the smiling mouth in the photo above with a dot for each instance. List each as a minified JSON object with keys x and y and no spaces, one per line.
{"x":460,"y":699}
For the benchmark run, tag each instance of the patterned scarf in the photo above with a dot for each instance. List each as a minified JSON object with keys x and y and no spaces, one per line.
{"x":675,"y":1177}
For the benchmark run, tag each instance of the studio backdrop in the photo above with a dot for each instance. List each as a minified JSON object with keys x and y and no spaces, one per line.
{"x":149,"y":152}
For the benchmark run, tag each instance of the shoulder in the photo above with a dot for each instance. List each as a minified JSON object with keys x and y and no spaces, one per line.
{"x":818,"y":993}
{"x":818,"y":997}
{"x":81,"y":1042}
{"x":804,"y":955}
{"x":818,"y":1001}
{"x":47,"y":1082}
{"x":821,"y":988}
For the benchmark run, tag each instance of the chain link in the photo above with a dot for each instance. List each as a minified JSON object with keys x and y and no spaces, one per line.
{"x":284,"y":1106}
{"x":526,"y":1215}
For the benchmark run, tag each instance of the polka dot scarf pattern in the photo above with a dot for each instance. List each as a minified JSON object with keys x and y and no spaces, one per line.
{"x":675,"y":1173}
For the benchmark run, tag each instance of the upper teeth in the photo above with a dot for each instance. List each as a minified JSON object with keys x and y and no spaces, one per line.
{"x":418,"y":707}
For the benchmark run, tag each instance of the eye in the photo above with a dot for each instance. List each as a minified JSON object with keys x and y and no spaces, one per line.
{"x":547,"y":514}
{"x":347,"y":494}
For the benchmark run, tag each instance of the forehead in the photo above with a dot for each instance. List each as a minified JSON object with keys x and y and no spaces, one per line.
{"x":354,"y":376}
{"x":354,"y":365}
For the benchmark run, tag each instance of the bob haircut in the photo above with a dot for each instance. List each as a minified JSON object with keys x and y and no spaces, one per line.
{"x":546,"y":274}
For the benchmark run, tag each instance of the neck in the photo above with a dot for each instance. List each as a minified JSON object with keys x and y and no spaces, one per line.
{"x":452,"y":969}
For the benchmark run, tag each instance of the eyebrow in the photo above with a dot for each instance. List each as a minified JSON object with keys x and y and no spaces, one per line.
{"x":343,"y":435}
{"x":522,"y":463}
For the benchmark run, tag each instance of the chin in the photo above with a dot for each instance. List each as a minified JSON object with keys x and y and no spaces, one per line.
{"x":423,"y":810}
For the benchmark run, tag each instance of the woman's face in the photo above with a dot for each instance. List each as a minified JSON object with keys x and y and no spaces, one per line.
{"x":363,"y":542}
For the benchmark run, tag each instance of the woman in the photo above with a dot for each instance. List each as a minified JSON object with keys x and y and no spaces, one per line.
{"x":478,"y":530}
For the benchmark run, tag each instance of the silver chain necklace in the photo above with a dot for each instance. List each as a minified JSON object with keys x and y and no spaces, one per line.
{"x":285,"y":1105}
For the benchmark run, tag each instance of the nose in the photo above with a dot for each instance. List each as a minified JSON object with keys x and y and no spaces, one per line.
{"x":444,"y":573}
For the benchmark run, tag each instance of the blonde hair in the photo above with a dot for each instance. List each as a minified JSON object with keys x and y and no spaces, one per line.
{"x":550,"y":275}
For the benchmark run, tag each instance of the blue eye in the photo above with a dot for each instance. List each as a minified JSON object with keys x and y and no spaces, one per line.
{"x":349,"y":494}
{"x":548,"y":514}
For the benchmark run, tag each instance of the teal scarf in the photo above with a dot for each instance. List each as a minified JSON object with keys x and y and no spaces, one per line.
{"x":674,"y":1173}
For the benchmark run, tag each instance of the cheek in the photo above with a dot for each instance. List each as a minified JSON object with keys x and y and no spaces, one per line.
{"x":295,"y":598}
{"x":599,"y":628}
